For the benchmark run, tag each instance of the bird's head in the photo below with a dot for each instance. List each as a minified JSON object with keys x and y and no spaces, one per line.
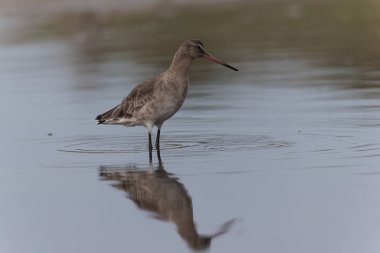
{"x":195,"y":49}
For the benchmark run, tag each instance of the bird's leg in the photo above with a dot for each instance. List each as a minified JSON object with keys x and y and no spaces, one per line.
{"x":159,"y":157}
{"x":158,"y":138}
{"x":150,"y":146}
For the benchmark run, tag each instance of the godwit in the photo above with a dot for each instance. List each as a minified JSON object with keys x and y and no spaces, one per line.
{"x":154,"y":101}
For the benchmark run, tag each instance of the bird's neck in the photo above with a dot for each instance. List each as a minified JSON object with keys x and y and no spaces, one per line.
{"x":180,"y":65}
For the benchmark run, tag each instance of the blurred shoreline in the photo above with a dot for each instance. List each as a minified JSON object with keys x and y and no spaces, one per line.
{"x":334,"y":34}
{"x":53,"y":7}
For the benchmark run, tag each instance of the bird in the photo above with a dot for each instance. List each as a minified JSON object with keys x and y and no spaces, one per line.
{"x":153,"y":102}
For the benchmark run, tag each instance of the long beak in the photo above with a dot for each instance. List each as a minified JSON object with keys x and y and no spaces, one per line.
{"x":214,"y":59}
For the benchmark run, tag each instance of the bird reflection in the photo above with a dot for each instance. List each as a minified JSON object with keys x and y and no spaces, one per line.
{"x":155,"y":190}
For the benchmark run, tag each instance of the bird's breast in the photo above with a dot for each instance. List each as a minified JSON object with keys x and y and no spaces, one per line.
{"x":169,"y":99}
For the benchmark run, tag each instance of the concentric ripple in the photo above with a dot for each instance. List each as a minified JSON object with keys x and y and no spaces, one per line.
{"x":193,"y":143}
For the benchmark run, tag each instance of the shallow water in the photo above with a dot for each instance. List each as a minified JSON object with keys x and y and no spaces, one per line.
{"x":280,"y":156}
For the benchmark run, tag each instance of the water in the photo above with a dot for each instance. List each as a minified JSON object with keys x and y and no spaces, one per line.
{"x":280,"y":156}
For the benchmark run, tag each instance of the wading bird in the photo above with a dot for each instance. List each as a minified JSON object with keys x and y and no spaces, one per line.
{"x":154,"y":101}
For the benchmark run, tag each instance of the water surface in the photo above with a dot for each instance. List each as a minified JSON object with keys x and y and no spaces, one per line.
{"x":280,"y":156}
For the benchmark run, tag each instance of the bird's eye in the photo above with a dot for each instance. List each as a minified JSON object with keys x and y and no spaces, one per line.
{"x":199,"y":47}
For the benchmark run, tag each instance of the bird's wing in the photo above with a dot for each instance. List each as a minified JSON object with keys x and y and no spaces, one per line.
{"x":136,"y":99}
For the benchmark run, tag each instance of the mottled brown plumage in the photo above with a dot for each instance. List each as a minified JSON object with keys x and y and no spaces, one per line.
{"x":154,"y":101}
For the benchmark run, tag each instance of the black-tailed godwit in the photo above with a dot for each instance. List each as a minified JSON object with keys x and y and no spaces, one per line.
{"x":154,"y":101}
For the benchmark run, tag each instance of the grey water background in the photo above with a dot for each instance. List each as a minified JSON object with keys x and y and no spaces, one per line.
{"x":287,"y":148}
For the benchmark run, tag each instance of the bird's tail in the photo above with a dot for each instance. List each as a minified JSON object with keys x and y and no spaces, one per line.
{"x":99,"y":119}
{"x":116,"y":116}
{"x":109,"y":115}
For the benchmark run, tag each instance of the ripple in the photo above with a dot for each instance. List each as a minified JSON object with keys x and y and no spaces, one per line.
{"x":366,"y":150}
{"x":191,"y":143}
